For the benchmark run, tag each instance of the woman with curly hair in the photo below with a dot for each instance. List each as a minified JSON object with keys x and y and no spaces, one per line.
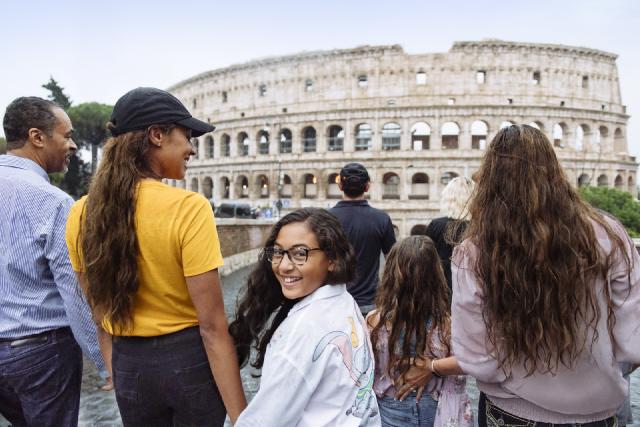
{"x":411,"y":322}
{"x":546,"y":292}
{"x":147,"y":256}
{"x":311,"y":342}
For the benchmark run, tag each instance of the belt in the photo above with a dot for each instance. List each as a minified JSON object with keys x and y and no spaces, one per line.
{"x":34,"y":339}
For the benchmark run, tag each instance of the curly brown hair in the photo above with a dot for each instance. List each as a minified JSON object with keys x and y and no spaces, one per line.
{"x":108,"y":229}
{"x":537,"y":255}
{"x":412,"y":291}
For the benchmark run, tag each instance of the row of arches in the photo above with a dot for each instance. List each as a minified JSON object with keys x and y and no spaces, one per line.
{"x":262,"y":187}
{"x":603,"y":180}
{"x":390,"y":185}
{"x":580,"y":138}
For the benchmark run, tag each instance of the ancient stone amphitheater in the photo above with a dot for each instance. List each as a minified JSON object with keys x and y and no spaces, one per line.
{"x":286,"y":125}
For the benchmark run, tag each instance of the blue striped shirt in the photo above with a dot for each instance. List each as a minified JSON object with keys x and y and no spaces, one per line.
{"x":39,"y":290}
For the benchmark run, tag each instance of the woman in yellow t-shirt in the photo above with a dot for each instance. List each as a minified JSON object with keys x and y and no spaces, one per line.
{"x":147,"y":256}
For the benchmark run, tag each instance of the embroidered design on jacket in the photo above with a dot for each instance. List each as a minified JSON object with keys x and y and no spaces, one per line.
{"x":358,"y":359}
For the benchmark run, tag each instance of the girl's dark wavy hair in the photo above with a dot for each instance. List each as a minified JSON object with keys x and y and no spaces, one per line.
{"x":413,"y":289}
{"x":537,"y":255}
{"x":108,"y":230}
{"x":263,"y":296}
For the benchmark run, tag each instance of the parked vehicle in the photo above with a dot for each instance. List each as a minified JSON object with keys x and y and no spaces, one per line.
{"x":235,"y":210}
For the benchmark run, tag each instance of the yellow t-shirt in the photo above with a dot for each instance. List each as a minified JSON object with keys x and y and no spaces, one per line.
{"x":177,"y":237}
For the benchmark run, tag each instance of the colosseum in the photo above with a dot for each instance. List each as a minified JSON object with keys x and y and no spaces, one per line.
{"x":286,"y":125}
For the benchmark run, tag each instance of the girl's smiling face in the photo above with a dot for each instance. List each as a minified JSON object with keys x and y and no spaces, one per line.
{"x":299,"y":279}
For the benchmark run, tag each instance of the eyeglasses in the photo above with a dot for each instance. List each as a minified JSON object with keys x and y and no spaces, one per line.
{"x":297,"y":255}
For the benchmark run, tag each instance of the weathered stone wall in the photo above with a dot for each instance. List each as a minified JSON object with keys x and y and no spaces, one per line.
{"x":477,"y":87}
{"x":241,"y":241}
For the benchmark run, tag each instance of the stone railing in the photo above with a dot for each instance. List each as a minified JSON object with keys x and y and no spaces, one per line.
{"x":241,"y":241}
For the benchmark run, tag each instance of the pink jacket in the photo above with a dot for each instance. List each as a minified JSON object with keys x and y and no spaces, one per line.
{"x":593,"y":389}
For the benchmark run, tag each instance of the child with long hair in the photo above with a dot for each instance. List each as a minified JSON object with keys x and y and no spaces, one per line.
{"x":546,"y":292}
{"x":147,"y":256}
{"x":410,"y":324}
{"x":307,"y":330}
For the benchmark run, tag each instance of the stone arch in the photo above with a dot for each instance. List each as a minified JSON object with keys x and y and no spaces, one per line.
{"x":363,"y":135}
{"x":559,"y":132}
{"x":619,"y":183}
{"x":583,"y":180}
{"x":262,"y":184}
{"x":390,"y":186}
{"x":335,"y":139}
{"x":243,"y":144}
{"x":242,"y":187}
{"x":333,"y":190}
{"x":450,"y":132}
{"x":286,"y":190}
{"x":479,"y":132}
{"x":310,"y":186}
{"x":603,"y":180}
{"x":632,"y":186}
{"x":582,"y":137}
{"x":391,"y":136}
{"x":225,"y":186}
{"x":419,"y":186}
{"x":225,"y":145}
{"x":420,"y":136}
{"x":286,"y":141}
{"x":309,"y":139}
{"x":207,"y":187}
{"x":196,"y":147}
{"x":194,"y":185}
{"x":208,"y":147}
{"x":262,"y":139}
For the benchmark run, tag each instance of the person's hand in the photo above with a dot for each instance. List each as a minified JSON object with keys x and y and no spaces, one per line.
{"x":108,"y":385}
{"x":415,"y":379}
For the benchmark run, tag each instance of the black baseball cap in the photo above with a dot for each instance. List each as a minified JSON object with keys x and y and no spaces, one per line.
{"x":145,"y":106}
{"x":354,"y":173}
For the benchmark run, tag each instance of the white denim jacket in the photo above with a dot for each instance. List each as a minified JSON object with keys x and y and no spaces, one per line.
{"x":319,"y":367}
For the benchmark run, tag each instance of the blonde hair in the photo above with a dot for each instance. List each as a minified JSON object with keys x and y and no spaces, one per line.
{"x":454,"y":200}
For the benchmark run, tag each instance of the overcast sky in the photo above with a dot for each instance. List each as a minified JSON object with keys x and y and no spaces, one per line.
{"x":98,"y":50}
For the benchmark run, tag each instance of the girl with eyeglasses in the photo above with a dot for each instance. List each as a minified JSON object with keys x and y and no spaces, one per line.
{"x":410,"y":325}
{"x":307,"y":331}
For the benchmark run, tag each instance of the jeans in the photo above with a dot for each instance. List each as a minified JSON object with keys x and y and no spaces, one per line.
{"x":165,"y":381}
{"x":40,"y":380}
{"x":496,"y":417}
{"x":396,"y":413}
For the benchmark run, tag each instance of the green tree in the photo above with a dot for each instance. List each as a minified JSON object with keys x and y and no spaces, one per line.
{"x":57,"y":94}
{"x":3,"y":145}
{"x":89,"y":122}
{"x":618,"y":203}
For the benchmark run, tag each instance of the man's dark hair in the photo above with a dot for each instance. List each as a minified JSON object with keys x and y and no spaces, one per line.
{"x":354,"y":179}
{"x":26,"y":113}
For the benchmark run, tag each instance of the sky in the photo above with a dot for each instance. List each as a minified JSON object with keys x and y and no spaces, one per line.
{"x":98,"y":50}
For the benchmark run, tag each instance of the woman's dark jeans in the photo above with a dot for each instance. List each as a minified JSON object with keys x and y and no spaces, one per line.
{"x":493,"y":416}
{"x":165,"y":381}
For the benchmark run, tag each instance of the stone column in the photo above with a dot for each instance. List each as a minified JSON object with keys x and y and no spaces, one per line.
{"x":405,"y":135}
{"x":349,"y":137}
{"x":464,"y":137}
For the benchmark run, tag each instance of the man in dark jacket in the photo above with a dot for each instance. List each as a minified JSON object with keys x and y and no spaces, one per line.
{"x":369,"y":231}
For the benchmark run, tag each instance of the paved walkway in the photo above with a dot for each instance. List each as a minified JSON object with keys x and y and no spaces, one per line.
{"x":99,"y":409}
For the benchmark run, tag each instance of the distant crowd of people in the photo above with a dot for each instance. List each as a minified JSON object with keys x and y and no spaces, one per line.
{"x":519,"y":284}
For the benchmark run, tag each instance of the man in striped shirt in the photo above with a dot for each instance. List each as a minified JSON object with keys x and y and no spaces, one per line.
{"x":41,"y":304}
